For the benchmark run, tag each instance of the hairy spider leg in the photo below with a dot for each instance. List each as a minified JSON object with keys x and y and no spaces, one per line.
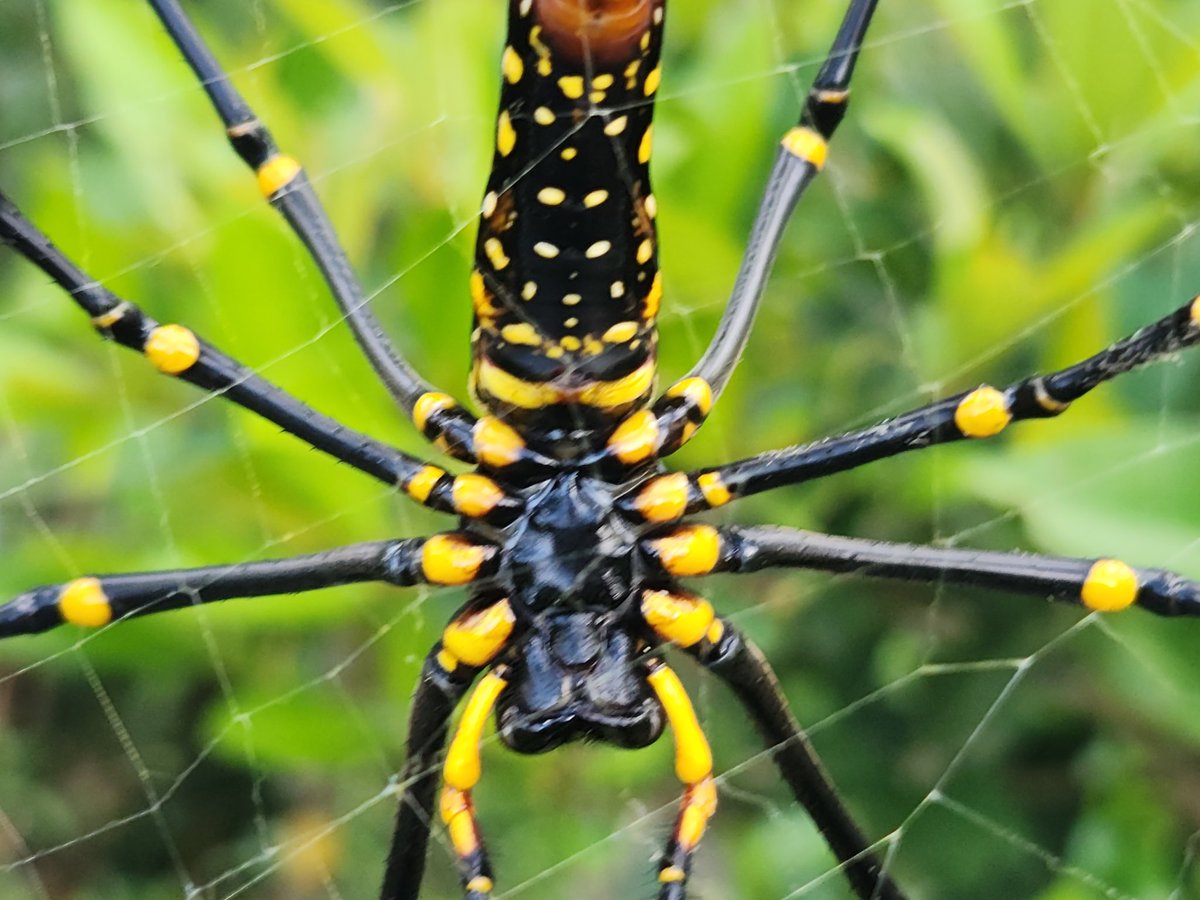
{"x":678,"y":414}
{"x":980,"y":413}
{"x":284,"y":183}
{"x":91,"y":601}
{"x":178,"y":351}
{"x":688,"y":622}
{"x":1098,"y":585}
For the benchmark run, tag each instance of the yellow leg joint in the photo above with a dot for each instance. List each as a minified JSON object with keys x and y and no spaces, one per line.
{"x":670,"y":874}
{"x":715,"y":492}
{"x":806,"y":144}
{"x":696,"y":390}
{"x":477,"y":637}
{"x":475,"y":495}
{"x":83,"y":602}
{"x":497,"y":444}
{"x":693,"y":758}
{"x":679,"y":618}
{"x":451,"y":559}
{"x":172,"y":348}
{"x":277,"y":173}
{"x":982,"y":413}
{"x":636,"y":438}
{"x":1110,"y":586}
{"x":421,"y":485}
{"x":463,"y":766}
{"x":429,"y":403}
{"x":459,"y":818}
{"x":699,"y":804}
{"x":481,"y":884}
{"x":663,"y":499}
{"x":690,"y":550}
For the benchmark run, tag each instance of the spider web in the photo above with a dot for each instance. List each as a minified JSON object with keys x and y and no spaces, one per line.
{"x":1015,"y":186}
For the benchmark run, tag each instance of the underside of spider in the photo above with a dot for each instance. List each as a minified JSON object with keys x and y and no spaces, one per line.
{"x":573,"y":536}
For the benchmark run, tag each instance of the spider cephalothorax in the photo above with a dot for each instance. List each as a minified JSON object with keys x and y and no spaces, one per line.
{"x":572,"y":534}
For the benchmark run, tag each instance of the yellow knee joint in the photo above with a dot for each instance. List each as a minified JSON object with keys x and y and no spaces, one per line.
{"x":690,"y":550}
{"x":679,"y":618}
{"x":477,"y":637}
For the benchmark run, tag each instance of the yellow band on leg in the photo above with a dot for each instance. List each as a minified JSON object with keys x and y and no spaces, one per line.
{"x":463,"y":766}
{"x":693,"y":758}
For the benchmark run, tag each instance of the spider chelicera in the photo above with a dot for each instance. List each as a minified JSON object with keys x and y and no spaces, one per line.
{"x":572,"y":535}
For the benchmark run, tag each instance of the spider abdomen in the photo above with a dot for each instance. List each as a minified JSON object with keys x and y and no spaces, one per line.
{"x":566,"y":286}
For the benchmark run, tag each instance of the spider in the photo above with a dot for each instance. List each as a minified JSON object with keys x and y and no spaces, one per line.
{"x":582,"y":440}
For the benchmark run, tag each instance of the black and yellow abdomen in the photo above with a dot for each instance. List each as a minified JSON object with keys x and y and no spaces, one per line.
{"x":566,"y":286}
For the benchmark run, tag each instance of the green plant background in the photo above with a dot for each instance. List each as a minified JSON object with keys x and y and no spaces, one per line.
{"x":1016,"y":185}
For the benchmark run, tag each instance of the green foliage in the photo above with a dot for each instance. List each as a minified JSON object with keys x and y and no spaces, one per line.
{"x":1015,"y":186}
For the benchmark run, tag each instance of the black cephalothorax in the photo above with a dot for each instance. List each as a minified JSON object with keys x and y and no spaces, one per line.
{"x":572,"y":534}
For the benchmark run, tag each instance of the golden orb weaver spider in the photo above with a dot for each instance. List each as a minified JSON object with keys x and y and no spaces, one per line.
{"x":406,"y":532}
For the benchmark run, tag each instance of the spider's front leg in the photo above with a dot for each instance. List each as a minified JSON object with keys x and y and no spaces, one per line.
{"x":678,"y":414}
{"x":176,"y":350}
{"x":981,"y":413}
{"x":284,"y":183}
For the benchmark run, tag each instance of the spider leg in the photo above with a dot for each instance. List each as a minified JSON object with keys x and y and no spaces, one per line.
{"x":473,"y":639}
{"x":176,"y":350}
{"x":676,"y":416}
{"x":284,"y":183}
{"x":93,"y":601}
{"x":438,"y":692}
{"x":1100,"y":585}
{"x":688,"y":622}
{"x":983,"y":412}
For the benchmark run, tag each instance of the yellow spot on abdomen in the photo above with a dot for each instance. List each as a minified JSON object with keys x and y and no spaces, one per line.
{"x":512,"y":65}
{"x":646,"y":147}
{"x":594,"y":198}
{"x":521,"y":333}
{"x":620,"y":333}
{"x":1110,"y":586}
{"x":982,"y":413}
{"x":506,"y":135}
{"x":172,"y":349}
{"x":83,"y":602}
{"x":616,"y":126}
{"x":276,"y":173}
{"x":806,"y":144}
{"x":571,"y":86}
{"x":653,"y":298}
{"x":653,"y":79}
{"x":551,"y":196}
{"x":494,"y":250}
